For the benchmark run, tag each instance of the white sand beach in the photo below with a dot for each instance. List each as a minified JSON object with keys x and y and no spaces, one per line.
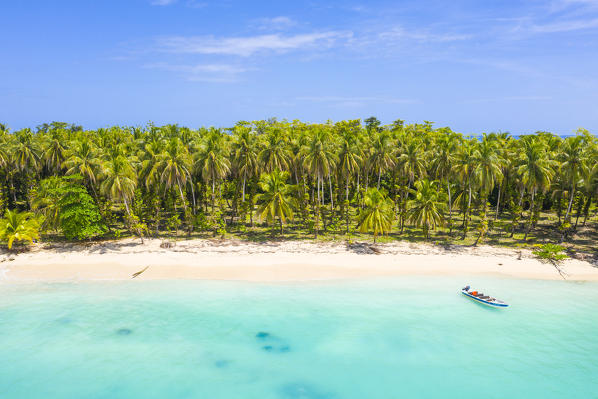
{"x":273,"y":261}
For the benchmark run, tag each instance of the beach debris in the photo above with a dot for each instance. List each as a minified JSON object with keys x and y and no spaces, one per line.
{"x":124,"y":331}
{"x":139,"y":272}
{"x":300,"y":390}
{"x":364,"y":248}
{"x":167,"y":244}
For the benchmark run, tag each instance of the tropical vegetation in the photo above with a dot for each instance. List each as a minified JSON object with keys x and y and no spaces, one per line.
{"x":349,"y":178}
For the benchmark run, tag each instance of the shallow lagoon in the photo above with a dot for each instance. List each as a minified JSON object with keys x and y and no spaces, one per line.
{"x":386,"y":338}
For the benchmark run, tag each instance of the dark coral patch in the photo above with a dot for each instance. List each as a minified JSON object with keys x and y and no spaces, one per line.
{"x":124,"y":331}
{"x":222,"y":363}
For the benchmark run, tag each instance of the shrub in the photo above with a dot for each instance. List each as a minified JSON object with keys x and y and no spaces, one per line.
{"x":551,"y":252}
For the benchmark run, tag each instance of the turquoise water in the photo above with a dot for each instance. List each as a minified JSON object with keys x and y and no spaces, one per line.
{"x":413,"y":337}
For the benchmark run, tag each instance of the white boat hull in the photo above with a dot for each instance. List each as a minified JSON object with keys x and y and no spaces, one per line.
{"x":496,"y":303}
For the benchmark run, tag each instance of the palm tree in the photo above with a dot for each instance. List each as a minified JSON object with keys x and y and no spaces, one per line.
{"x":350,"y":159}
{"x":411,"y":164}
{"x":505,"y":154}
{"x":411,"y":160}
{"x":465,"y":166}
{"x":174,"y":166}
{"x":572,"y":165}
{"x":54,"y":152}
{"x":83,"y":159}
{"x":276,"y":153}
{"x":381,"y":158}
{"x":245,"y":155}
{"x":25,"y":153}
{"x":275,"y":201}
{"x":426,"y":209}
{"x":212,"y":160}
{"x":319,"y":159}
{"x":44,"y":201}
{"x":535,"y":171}
{"x":120,"y":180}
{"x":19,"y":226}
{"x":488,"y":172}
{"x":378,"y":213}
{"x":488,"y":166}
{"x":444,"y":159}
{"x":151,"y":156}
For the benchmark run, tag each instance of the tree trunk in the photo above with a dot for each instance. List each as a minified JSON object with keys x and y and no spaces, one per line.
{"x":579,"y":208}
{"x":244,"y":174}
{"x":213,"y":194}
{"x":497,"y":202}
{"x":467,"y":213}
{"x":317,"y":221}
{"x":586,"y":209}
{"x":572,"y":195}
{"x":182,"y":197}
{"x":193,"y":195}
{"x":347,"y":202}
{"x":331,"y":199}
{"x":531,"y":214}
{"x":450,"y":206}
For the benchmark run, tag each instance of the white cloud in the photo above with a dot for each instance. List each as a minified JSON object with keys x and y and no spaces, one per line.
{"x":163,"y":2}
{"x":399,"y":33}
{"x":202,"y":72}
{"x":247,"y":46}
{"x":276,"y":23}
{"x":566,"y":26}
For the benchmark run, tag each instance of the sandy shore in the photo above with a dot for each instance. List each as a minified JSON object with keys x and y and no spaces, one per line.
{"x":273,"y":261}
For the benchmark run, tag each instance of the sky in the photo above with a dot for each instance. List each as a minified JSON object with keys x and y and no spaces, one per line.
{"x":475,"y":66}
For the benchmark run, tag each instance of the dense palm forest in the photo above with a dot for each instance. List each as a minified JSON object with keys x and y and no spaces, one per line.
{"x":294,"y":179}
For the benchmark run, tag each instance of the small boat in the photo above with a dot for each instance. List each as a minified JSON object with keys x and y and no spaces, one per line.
{"x":482,"y":298}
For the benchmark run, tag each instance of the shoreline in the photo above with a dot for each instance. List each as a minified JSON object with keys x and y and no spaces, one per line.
{"x":284,"y":261}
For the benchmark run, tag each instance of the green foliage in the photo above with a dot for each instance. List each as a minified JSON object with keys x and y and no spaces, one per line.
{"x":142,"y":176}
{"x":201,"y":222}
{"x":19,"y":226}
{"x":275,"y":202}
{"x":377,"y":214}
{"x":220,"y":225}
{"x":173,"y":223}
{"x":66,"y":205}
{"x":79,"y":218}
{"x":551,"y":252}
{"x":140,"y":229}
{"x":427,"y":207}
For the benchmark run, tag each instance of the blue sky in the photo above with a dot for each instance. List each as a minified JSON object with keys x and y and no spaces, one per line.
{"x":476,"y":66}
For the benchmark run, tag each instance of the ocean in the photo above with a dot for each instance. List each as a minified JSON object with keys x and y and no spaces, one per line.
{"x":405,"y":337}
